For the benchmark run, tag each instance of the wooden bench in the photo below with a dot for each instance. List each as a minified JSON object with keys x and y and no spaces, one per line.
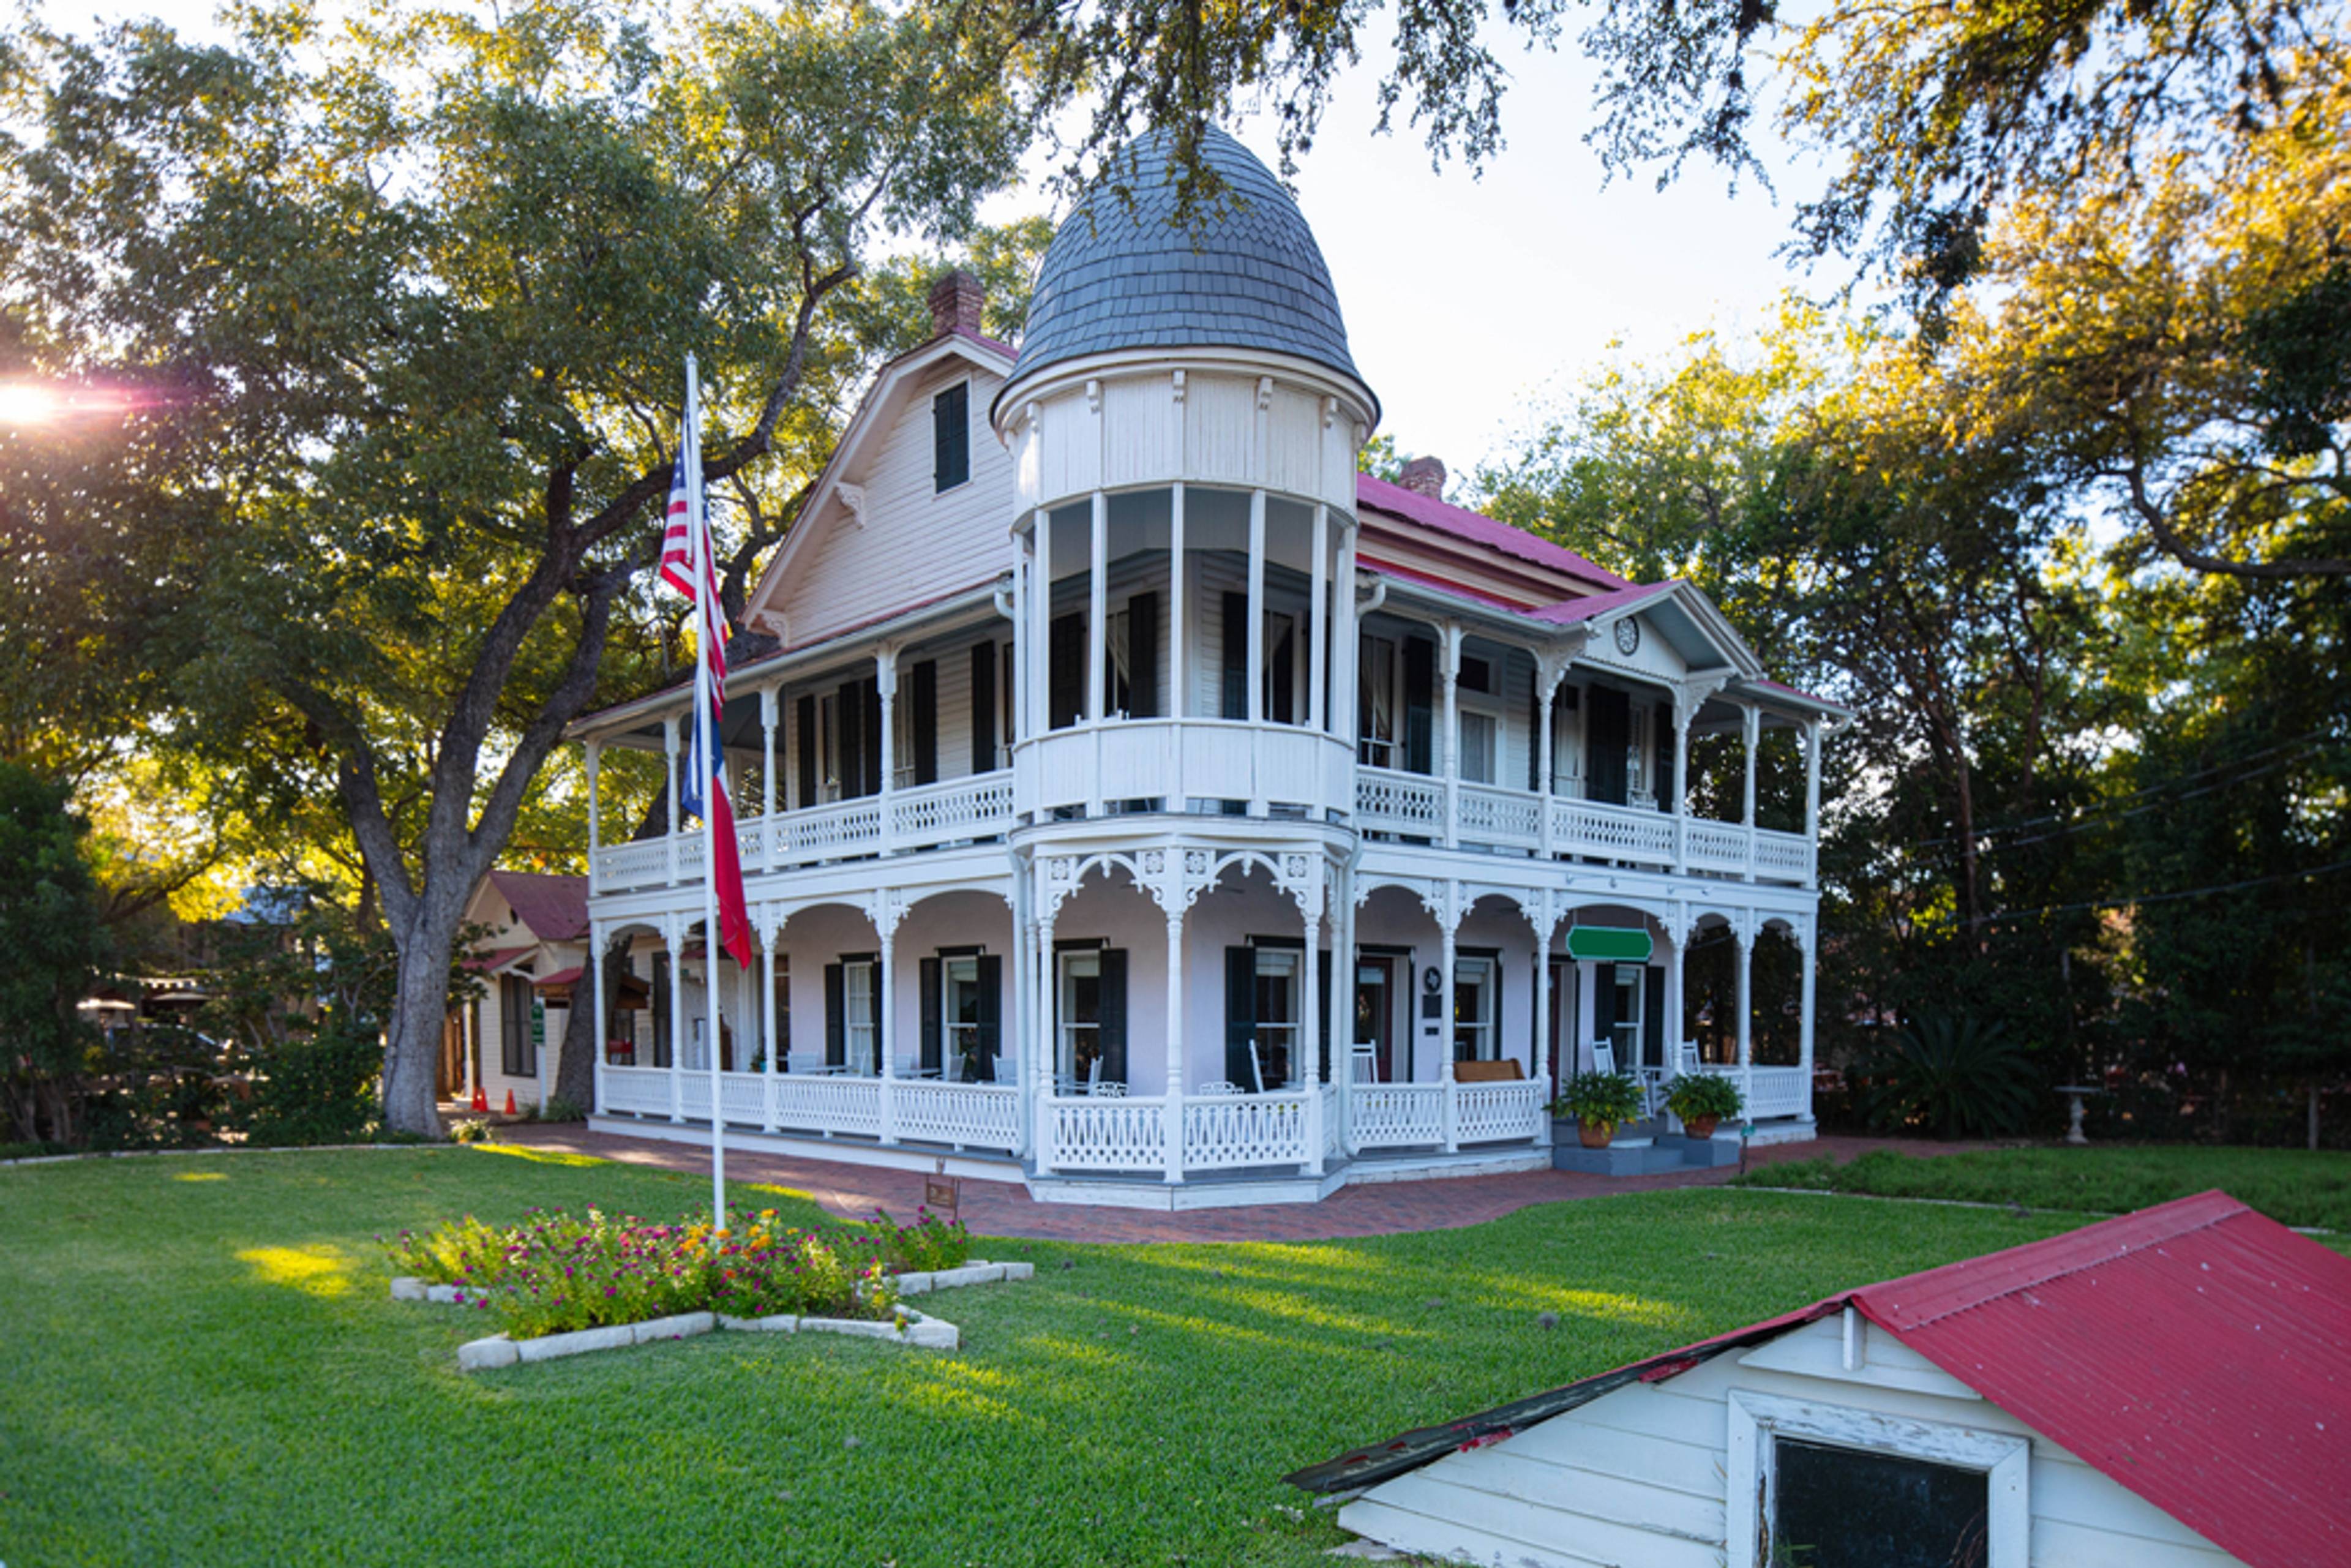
{"x":1488,"y":1072}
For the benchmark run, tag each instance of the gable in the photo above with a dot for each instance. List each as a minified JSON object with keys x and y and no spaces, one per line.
{"x":880,"y":536}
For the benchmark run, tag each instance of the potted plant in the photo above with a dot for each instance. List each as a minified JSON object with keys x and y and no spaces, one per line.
{"x":1599,"y":1101}
{"x":1702,"y":1100}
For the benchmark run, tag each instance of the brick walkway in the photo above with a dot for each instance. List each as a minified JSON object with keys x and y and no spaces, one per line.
{"x":1004,"y":1209}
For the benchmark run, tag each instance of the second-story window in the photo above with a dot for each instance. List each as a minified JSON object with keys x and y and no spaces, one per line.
{"x":951,"y":438}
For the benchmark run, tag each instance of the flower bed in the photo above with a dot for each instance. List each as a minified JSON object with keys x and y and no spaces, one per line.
{"x":555,"y":1273}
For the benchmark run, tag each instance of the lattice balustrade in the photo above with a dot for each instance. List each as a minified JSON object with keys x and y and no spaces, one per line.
{"x":1084,"y":1133}
{"x":1399,"y":802}
{"x":624,"y":866}
{"x":1231,"y":1131}
{"x":1397,"y":1116}
{"x":643,"y":1091}
{"x":1783,"y":856}
{"x":959,"y":809}
{"x":1507,"y":817}
{"x":967,"y":1116}
{"x":829,"y":832}
{"x":1612,"y":832}
{"x":831,"y":1102}
{"x":1500,"y":1112}
{"x":1715,"y":846}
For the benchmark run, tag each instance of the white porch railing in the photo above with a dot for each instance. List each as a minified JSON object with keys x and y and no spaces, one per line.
{"x":1228,"y":1131}
{"x":1388,"y":802}
{"x":1395,"y":1115}
{"x":1783,"y":857}
{"x":1715,"y":846}
{"x":1506,"y":819}
{"x":643,"y":1091}
{"x":1606,"y":831}
{"x":967,"y":1116}
{"x":1770,"y":1091}
{"x":956,"y":811}
{"x":1500,"y":1112}
{"x":828,"y":1102}
{"x":1089,"y":1133}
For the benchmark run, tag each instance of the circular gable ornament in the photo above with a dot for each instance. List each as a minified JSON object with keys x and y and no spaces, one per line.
{"x":1628,"y":636}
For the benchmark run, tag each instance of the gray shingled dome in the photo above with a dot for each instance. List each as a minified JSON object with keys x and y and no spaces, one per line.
{"x":1247,"y":275}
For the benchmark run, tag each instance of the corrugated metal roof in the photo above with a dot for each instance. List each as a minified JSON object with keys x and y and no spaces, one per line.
{"x":2197,"y":1353}
{"x":1460,"y":522}
{"x":555,"y":907}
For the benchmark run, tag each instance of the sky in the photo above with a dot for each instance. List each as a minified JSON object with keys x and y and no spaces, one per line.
{"x":1473,"y":302}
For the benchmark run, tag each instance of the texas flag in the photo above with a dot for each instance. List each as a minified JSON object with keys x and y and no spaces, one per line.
{"x":688,"y":565}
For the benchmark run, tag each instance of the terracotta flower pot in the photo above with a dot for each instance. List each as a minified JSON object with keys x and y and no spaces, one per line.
{"x":1701,"y":1126}
{"x":1595,"y":1135}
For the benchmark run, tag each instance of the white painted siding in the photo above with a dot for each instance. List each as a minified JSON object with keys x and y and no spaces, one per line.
{"x":916,"y":543}
{"x":1637,"y":1477}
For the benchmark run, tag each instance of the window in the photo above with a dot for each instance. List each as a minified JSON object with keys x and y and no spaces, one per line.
{"x":1476,"y":1005}
{"x":1004,"y":710}
{"x":861,"y":1016}
{"x":1566,"y":743}
{"x":1375,"y":704}
{"x":1831,"y":1487}
{"x":1278,"y":1014}
{"x":1480,"y":734}
{"x":519,"y":1053}
{"x":828,"y":748}
{"x":1280,"y":694}
{"x":959,"y":1016}
{"x":1640,"y":785}
{"x":661,"y":1010}
{"x":951,"y":438}
{"x":1476,"y":676}
{"x":1632,"y":982}
{"x":783,"y":1040}
{"x":1118,"y":665}
{"x":1082,"y":1016}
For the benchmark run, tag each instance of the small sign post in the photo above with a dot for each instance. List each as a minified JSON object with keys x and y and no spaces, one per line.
{"x":943,"y":1193}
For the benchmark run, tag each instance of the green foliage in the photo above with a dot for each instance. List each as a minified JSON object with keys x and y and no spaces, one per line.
{"x":236,"y":1315}
{"x":2293,"y":1187}
{"x":1695,"y":1094}
{"x":927,"y":1245}
{"x":1953,"y":1074}
{"x":50,"y":933}
{"x":1613,"y":1098}
{"x":316,"y":1084}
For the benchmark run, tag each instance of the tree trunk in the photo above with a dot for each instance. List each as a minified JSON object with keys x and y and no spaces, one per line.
{"x":411,"y":1042}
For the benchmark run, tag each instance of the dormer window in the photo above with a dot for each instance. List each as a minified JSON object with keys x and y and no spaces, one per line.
{"x":951,"y":438}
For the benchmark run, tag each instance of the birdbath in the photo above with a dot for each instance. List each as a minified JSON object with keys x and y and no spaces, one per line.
{"x":2073,"y":1092}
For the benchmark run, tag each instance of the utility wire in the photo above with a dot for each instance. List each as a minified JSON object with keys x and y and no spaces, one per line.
{"x":2144,"y":899}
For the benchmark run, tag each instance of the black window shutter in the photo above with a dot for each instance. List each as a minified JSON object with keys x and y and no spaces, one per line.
{"x":836,"y":1015}
{"x":1240,"y":1015}
{"x":1233,"y":663}
{"x":930,"y":1047}
{"x":1113,"y":1014}
{"x":1603,"y":1005}
{"x":983,"y":707}
{"x":849,"y":713}
{"x":1322,"y":1002}
{"x":1536,"y":739}
{"x":869,"y":691}
{"x":925,"y":698}
{"x":1142,"y":656}
{"x":1665,"y":749}
{"x":1653,"y":1043}
{"x":1281,"y":677}
{"x":991,"y":1014}
{"x":1501,"y":1040}
{"x":1608,"y":727}
{"x":804,"y":721}
{"x":950,"y":436}
{"x":1065,"y":674}
{"x":660,"y":1009}
{"x":1420,"y":706}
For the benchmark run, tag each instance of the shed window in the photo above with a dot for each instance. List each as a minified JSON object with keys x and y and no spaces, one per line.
{"x":950,"y":436}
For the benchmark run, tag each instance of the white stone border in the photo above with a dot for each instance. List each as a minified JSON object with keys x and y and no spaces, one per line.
{"x":905,"y":1326}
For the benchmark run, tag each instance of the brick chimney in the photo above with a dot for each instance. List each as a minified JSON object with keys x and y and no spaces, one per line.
{"x":955,"y":301}
{"x":1425,"y":476}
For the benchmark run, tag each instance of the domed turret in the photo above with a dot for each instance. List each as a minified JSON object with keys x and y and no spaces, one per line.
{"x":1247,"y":274}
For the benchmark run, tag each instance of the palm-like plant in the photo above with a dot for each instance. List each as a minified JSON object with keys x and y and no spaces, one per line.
{"x":1954,"y":1073}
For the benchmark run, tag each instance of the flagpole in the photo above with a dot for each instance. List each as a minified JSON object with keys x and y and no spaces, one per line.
{"x":697,"y":531}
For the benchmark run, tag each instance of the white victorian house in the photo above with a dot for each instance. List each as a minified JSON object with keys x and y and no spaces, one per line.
{"x":1118,"y":723}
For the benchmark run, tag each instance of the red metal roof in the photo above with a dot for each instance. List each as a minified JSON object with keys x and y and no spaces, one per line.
{"x":1478,"y":528}
{"x":490,"y":960}
{"x":1568,"y":612}
{"x":554,"y":907}
{"x":2197,"y":1353}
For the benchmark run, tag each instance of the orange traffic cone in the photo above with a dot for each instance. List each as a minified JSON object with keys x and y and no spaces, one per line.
{"x":481,"y":1100}
{"x":510,"y":1110}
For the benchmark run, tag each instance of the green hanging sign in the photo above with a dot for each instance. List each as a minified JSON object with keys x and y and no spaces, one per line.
{"x":1625,"y":944}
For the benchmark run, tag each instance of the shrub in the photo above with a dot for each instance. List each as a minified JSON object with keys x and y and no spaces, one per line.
{"x":927,"y":1245}
{"x":472,"y":1130}
{"x":315,"y":1085}
{"x":1610,"y":1097}
{"x":1697,"y":1094}
{"x":1953,"y":1074}
{"x":556,"y":1108}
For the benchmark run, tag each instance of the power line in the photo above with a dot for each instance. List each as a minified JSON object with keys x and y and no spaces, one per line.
{"x":2142,"y":900}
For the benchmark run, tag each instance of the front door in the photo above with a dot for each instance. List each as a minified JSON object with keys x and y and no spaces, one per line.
{"x":1375,"y":1015}
{"x":1560,"y":1049}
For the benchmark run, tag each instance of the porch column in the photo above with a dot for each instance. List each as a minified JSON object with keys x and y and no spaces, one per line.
{"x":1036,"y":660}
{"x":669,"y":748}
{"x":1346,"y":652}
{"x":772,"y":932}
{"x":1318,"y":618}
{"x":1814,"y":733}
{"x":769,"y":700}
{"x":1175,"y":1062}
{"x":1743,"y":929}
{"x":1546,"y":691}
{"x":1047,"y":1047}
{"x":1177,"y":673}
{"x":1311,"y":1033}
{"x":1676,"y":997}
{"x":887,"y":914}
{"x":1805,"y":932}
{"x":1541,"y":996}
{"x":595,"y":752}
{"x":1448,"y":922}
{"x":885,"y":679}
{"x":1022,"y":569}
{"x":593,"y":973}
{"x":673,"y":938}
{"x":1256,"y":675}
{"x":1448,"y":748}
{"x":1751,"y":718}
{"x":1097,"y":646}
{"x":1683,"y":714}
{"x":1343,"y":984}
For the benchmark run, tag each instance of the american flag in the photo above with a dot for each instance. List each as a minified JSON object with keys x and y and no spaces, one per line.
{"x":688,"y":565}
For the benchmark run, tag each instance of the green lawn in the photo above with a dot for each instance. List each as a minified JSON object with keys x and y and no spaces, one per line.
{"x":203,"y":1367}
{"x":2291,"y":1186}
